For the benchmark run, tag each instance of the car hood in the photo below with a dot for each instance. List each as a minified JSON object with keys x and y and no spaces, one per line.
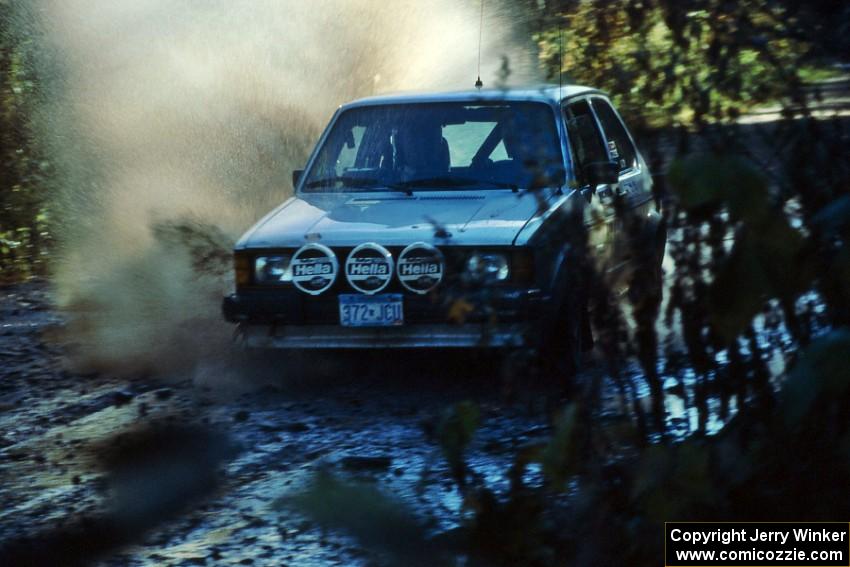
{"x":477,"y":218}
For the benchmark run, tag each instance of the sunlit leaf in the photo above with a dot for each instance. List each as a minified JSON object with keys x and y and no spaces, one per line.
{"x":459,"y":310}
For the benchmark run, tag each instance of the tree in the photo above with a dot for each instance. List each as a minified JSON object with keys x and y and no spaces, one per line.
{"x":24,"y":237}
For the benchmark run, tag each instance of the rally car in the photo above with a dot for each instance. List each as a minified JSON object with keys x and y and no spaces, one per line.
{"x":449,"y":220}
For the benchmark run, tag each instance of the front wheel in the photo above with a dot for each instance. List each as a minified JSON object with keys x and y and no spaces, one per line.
{"x":560,"y":353}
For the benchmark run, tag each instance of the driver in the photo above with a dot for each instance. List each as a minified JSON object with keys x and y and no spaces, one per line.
{"x":421,"y":150}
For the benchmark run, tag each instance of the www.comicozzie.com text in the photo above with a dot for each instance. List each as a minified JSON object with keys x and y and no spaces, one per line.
{"x":726,"y":536}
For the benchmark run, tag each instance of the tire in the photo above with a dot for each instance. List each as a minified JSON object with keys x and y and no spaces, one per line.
{"x":560,"y":354}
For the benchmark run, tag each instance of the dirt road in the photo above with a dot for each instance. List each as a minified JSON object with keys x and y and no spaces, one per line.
{"x":289,"y":421}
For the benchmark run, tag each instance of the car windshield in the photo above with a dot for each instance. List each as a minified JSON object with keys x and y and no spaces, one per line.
{"x":437,"y":146}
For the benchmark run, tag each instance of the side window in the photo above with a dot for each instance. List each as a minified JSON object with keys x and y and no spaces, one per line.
{"x":585,"y":137}
{"x":619,"y":145}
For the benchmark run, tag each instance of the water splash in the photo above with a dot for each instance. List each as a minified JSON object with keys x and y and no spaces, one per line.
{"x":173,"y":126}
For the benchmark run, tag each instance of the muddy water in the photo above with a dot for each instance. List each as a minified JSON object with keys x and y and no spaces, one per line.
{"x":375,"y":427}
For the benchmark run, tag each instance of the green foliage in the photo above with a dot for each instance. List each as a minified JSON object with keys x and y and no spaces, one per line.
{"x":670,"y":62}
{"x":24,"y":215}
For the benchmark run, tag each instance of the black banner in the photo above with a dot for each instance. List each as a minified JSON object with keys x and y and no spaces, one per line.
{"x":757,"y":544}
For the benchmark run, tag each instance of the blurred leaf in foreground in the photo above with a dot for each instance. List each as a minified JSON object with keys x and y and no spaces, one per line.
{"x":704,"y":183}
{"x":454,"y":433}
{"x":379,"y":522}
{"x":154,"y":473}
{"x":559,"y":456}
{"x":765,"y":243}
{"x":822,"y":371}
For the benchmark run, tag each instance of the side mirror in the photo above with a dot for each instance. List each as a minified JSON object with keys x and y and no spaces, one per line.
{"x":296,"y":177}
{"x":601,"y":173}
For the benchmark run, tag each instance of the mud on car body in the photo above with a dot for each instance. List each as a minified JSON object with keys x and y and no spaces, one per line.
{"x":447,"y":220}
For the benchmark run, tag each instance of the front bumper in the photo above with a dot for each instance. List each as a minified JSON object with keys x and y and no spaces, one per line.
{"x":410,"y":336}
{"x":290,"y":319}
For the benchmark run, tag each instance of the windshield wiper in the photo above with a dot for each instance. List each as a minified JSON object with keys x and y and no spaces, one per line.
{"x":353,"y":182}
{"x":450,"y":181}
{"x":346,"y":180}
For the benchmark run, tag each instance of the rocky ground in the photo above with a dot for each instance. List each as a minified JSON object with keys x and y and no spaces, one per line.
{"x":268,"y":435}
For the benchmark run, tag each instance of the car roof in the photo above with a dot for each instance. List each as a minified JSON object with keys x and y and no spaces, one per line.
{"x":551,"y":94}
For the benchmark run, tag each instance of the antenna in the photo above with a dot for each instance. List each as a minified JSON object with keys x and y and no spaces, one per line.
{"x":478,"y":83}
{"x":560,"y":57}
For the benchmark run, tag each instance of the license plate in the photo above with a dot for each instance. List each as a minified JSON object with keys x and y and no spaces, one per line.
{"x":383,"y":310}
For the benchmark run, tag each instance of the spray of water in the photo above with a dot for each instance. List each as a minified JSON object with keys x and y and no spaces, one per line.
{"x":173,"y":126}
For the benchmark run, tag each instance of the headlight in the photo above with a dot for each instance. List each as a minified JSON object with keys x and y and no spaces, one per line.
{"x":488,"y":267}
{"x":272,"y":269}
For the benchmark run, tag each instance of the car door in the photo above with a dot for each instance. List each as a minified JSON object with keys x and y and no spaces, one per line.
{"x":587,"y":145}
{"x":634,"y":190}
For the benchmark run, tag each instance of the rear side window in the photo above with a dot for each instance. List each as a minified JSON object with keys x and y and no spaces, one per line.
{"x":619,"y":145}
{"x":585,"y":137}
